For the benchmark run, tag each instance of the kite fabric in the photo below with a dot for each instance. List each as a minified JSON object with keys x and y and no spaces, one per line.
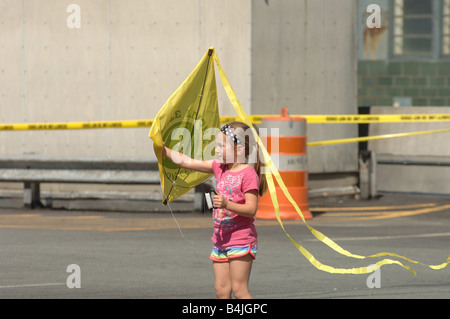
{"x":184,"y":124}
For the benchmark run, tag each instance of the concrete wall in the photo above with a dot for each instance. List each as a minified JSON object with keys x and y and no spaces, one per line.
{"x":128,"y":57}
{"x":429,"y":148}
{"x":124,"y":62}
{"x":421,"y":145}
{"x":304,"y":57}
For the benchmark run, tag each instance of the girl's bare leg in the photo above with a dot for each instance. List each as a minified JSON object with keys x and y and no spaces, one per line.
{"x":222,"y":280}
{"x":240,"y":269}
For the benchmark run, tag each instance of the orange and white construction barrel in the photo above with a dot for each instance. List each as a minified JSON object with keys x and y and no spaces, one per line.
{"x":286,"y":143}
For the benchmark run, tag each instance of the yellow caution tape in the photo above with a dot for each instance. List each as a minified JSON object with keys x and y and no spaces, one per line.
{"x":272,"y":190}
{"x":381,"y":118}
{"x":75,"y":125}
{"x":353,"y":119}
{"x":375,"y":137}
{"x":255,"y":119}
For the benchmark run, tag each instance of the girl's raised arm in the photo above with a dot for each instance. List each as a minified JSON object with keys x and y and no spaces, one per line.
{"x":185,"y":161}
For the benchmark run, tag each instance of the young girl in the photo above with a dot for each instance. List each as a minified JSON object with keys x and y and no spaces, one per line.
{"x":238,"y":185}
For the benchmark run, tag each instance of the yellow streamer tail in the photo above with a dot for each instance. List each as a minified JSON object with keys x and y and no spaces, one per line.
{"x":327,"y":241}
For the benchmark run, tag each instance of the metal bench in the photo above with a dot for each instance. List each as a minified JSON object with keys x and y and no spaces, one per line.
{"x":33,"y":170}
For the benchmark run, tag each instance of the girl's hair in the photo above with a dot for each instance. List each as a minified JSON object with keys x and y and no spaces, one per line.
{"x":252,"y":153}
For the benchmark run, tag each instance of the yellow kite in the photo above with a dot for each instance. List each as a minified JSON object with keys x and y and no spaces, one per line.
{"x":182,"y":124}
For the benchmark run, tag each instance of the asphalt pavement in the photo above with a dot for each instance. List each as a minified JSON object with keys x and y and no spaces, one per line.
{"x":152,"y":255}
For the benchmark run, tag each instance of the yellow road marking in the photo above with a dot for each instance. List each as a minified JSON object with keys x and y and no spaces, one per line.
{"x":369,"y":208}
{"x":395,"y":214}
{"x":359,"y":216}
{"x":105,"y":223}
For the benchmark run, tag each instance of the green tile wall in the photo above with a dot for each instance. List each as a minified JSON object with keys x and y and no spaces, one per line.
{"x":427,"y":83}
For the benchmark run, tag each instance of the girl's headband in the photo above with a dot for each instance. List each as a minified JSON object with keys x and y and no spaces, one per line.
{"x":228,"y":131}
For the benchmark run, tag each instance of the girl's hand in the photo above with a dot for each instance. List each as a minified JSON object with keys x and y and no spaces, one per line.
{"x":220,"y":201}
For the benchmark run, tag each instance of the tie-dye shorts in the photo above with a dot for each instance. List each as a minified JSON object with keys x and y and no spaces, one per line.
{"x":220,"y":254}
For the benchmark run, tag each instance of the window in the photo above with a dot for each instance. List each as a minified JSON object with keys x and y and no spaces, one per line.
{"x":413,"y":28}
{"x":420,"y":29}
{"x":446,"y":28}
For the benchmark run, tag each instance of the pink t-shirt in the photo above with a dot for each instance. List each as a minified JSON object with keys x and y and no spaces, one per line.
{"x":231,"y":229}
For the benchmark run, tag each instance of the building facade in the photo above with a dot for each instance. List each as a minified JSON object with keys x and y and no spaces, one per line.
{"x":406,"y":62}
